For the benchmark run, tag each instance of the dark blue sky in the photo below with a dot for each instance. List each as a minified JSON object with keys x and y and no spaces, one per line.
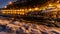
{"x":4,"y":2}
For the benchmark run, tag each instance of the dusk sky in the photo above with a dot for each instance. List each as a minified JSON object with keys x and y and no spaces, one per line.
{"x":4,"y":2}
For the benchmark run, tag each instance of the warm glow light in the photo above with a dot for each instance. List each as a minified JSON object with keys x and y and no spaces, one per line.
{"x":58,"y":5}
{"x":30,"y":9}
{"x":43,"y":8}
{"x":50,"y":5}
{"x":3,"y":12}
{"x":58,"y":1}
{"x":22,"y":9}
{"x":5,"y":6}
{"x":36,"y":9}
{"x":13,"y":11}
{"x":10,"y":2}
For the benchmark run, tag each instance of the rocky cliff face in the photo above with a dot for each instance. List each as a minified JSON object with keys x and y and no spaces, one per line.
{"x":27,"y":3}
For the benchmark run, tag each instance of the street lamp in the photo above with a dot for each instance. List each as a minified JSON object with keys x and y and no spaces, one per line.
{"x":5,"y":6}
{"x":10,"y":2}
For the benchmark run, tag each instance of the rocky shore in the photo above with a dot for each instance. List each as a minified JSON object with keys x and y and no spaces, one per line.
{"x":21,"y":27}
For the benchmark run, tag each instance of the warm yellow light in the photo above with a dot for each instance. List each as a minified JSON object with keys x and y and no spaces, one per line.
{"x":25,"y":10}
{"x":50,"y":5}
{"x":17,"y":10}
{"x":40,"y":9}
{"x":58,"y":1}
{"x":22,"y":9}
{"x":3,"y":12}
{"x":30,"y":9}
{"x":58,"y":5}
{"x":36,"y":9}
{"x":58,"y":16}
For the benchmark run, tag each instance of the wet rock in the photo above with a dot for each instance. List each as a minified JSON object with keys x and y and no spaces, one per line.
{"x":26,"y":27}
{"x":33,"y":32}
{"x":1,"y":29}
{"x":54,"y":32}
{"x":44,"y":33}
{"x":50,"y":25}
